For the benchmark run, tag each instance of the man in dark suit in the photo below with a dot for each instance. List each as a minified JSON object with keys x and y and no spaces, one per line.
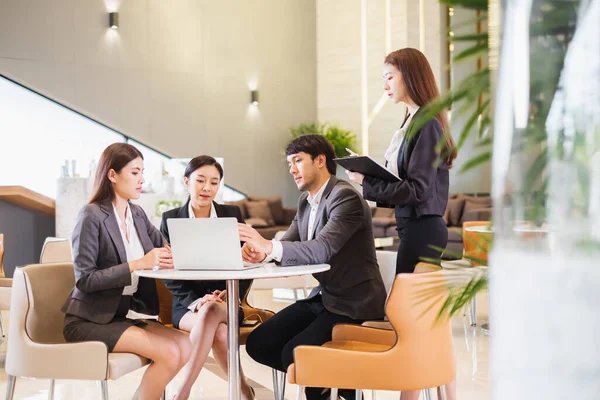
{"x":332,"y":226}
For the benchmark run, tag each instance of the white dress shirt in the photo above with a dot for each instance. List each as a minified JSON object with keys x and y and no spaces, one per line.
{"x":133,"y":246}
{"x":391,"y":154}
{"x":213,"y":214}
{"x":277,"y":252}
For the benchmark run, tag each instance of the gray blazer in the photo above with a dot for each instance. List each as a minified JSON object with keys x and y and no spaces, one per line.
{"x":101,"y":268}
{"x":424,"y":187}
{"x":343,"y":239}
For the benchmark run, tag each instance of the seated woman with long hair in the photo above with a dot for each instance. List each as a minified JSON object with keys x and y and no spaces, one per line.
{"x":112,"y":239}
{"x":199,"y":306}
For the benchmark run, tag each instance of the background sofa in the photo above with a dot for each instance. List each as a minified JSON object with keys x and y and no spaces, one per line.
{"x":266,"y":214}
{"x":461,"y":207}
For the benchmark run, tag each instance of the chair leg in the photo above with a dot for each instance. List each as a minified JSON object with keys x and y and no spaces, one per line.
{"x":299,"y":392}
{"x":104,"y":389}
{"x":51,"y":390}
{"x":473,"y":312}
{"x":2,"y":324}
{"x":279,"y":384}
{"x":358,"y":395}
{"x":373,"y":394}
{"x":275,"y":384}
{"x":163,"y":396}
{"x":426,"y":394}
{"x":442,"y":394}
{"x":10,"y":387}
{"x":334,"y":394}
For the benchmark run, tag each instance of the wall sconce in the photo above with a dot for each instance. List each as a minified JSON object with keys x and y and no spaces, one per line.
{"x":113,"y":20}
{"x":254,"y":97}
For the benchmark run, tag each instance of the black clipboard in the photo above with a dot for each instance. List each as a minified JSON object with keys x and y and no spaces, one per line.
{"x":366,"y":166}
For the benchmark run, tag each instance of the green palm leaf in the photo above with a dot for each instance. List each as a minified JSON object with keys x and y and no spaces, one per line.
{"x":481,"y":5}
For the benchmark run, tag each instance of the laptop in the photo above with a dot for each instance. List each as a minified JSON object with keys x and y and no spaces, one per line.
{"x":206,"y":244}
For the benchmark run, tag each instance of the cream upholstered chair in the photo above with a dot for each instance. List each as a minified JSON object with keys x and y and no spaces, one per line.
{"x":36,"y":346}
{"x":417,"y":354}
{"x":5,"y":287}
{"x":56,"y":250}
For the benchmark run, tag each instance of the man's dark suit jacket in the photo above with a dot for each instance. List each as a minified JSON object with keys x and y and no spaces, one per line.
{"x":101,"y":267}
{"x":424,"y":187}
{"x":343,"y":239}
{"x":186,"y":292}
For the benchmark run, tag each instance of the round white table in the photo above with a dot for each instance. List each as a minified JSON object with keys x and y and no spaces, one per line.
{"x":232,"y":277}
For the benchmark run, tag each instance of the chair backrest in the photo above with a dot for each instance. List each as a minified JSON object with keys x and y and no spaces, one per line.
{"x":38,"y":294}
{"x":2,"y":255}
{"x":476,"y":244}
{"x":424,"y":267}
{"x":424,"y":350}
{"x":387,"y":268}
{"x":48,"y":287}
{"x":56,"y":250}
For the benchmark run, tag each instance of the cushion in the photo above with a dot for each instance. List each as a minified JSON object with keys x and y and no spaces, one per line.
{"x":241,"y":204}
{"x":384,"y":221}
{"x":384,"y":212}
{"x":454,"y":208}
{"x":455,"y":235}
{"x":275,"y":205}
{"x":260,"y":209}
{"x":257,"y":222}
{"x":475,"y":203}
{"x":120,"y":364}
{"x":379,"y":231}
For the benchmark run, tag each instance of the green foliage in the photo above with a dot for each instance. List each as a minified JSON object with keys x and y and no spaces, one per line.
{"x":340,"y":138}
{"x":552,"y":27}
{"x":481,"y":5}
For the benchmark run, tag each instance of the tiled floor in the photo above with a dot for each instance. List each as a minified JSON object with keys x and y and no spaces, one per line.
{"x":471,"y":349}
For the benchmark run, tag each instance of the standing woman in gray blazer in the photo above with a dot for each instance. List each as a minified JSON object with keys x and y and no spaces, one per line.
{"x":420,"y":159}
{"x":421,"y":195}
{"x":112,"y":239}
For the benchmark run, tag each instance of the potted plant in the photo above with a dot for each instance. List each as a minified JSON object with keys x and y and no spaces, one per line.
{"x":340,"y":138}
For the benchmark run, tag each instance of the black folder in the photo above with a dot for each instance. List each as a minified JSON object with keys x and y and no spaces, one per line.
{"x":366,"y":166}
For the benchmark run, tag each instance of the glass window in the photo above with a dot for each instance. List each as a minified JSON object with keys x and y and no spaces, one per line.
{"x":155,"y":170}
{"x":40,"y":140}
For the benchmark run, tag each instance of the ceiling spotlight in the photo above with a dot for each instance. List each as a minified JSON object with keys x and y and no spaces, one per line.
{"x":254,"y":97}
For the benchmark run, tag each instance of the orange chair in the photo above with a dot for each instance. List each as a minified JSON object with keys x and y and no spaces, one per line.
{"x":476,"y":244}
{"x":165,"y":316}
{"x":417,"y":355}
{"x":476,"y":247}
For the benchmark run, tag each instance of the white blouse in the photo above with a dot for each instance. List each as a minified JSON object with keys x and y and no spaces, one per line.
{"x":391,"y":154}
{"x":133,"y":247}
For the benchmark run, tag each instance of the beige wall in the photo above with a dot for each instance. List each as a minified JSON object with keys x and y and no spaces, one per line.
{"x":339,"y":58}
{"x":175,"y":75}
